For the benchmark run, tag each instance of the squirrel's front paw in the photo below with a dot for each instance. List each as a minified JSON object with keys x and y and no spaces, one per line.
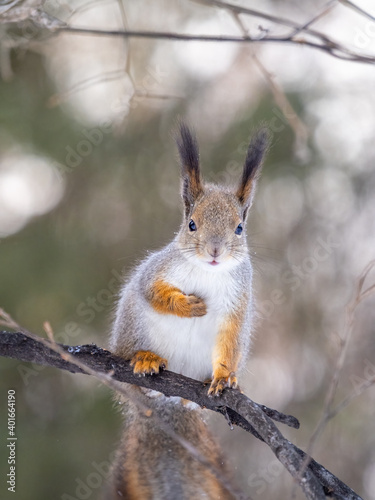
{"x":147,"y":363}
{"x":222,"y":380}
{"x":196,"y":306}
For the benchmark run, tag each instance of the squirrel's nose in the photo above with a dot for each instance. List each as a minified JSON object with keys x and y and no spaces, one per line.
{"x":214,"y":251}
{"x":215,"y":247}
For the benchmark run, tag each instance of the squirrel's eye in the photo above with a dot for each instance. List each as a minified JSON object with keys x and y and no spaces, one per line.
{"x":239,"y":229}
{"x":192,"y":225}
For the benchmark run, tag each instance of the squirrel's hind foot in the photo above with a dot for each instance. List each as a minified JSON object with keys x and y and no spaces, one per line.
{"x":219,"y":383}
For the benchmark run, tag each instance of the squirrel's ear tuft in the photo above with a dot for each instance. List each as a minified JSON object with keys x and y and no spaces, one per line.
{"x":192,"y":186}
{"x":252,"y":167}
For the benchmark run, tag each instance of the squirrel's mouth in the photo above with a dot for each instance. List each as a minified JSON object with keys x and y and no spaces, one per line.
{"x":214,"y":263}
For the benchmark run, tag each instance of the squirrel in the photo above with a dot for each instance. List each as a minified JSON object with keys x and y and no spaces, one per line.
{"x":188,"y":308}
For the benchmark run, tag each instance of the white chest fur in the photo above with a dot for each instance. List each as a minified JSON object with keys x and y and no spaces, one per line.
{"x":188,"y":343}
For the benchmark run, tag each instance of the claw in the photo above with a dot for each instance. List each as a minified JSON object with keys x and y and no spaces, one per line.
{"x":218,"y":384}
{"x":147,"y":363}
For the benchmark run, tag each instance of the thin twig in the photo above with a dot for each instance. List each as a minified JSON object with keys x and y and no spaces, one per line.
{"x":86,"y":6}
{"x":329,"y":411}
{"x":281,"y":100}
{"x":297,"y":28}
{"x":330,"y":47}
{"x":325,"y":44}
{"x":359,"y":10}
{"x":330,"y":5}
{"x":349,"y":398}
{"x":309,"y":37}
{"x":57,"y":99}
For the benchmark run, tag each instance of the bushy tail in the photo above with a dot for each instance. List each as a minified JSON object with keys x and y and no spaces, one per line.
{"x":150,"y":464}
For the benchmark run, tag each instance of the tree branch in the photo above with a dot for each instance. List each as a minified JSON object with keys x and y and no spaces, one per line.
{"x":300,"y":34}
{"x":316,"y":481}
{"x":325,"y":44}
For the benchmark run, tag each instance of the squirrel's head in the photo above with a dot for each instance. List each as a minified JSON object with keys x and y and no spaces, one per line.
{"x":213,"y":231}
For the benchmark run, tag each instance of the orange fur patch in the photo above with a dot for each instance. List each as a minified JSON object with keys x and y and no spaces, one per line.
{"x":147,"y":362}
{"x":227,"y":353}
{"x":244,"y":190}
{"x":136,"y":489}
{"x":167,"y":299}
{"x":195,"y":183}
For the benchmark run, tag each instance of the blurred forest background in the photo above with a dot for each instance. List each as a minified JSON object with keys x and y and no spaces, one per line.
{"x":89,"y":183}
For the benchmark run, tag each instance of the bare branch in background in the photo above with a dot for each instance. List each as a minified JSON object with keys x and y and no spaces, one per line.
{"x":30,"y":11}
{"x":329,"y":46}
{"x":57,"y":99}
{"x":359,"y":10}
{"x":281,"y":100}
{"x":316,"y":39}
{"x":329,"y":410}
{"x":330,"y":5}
